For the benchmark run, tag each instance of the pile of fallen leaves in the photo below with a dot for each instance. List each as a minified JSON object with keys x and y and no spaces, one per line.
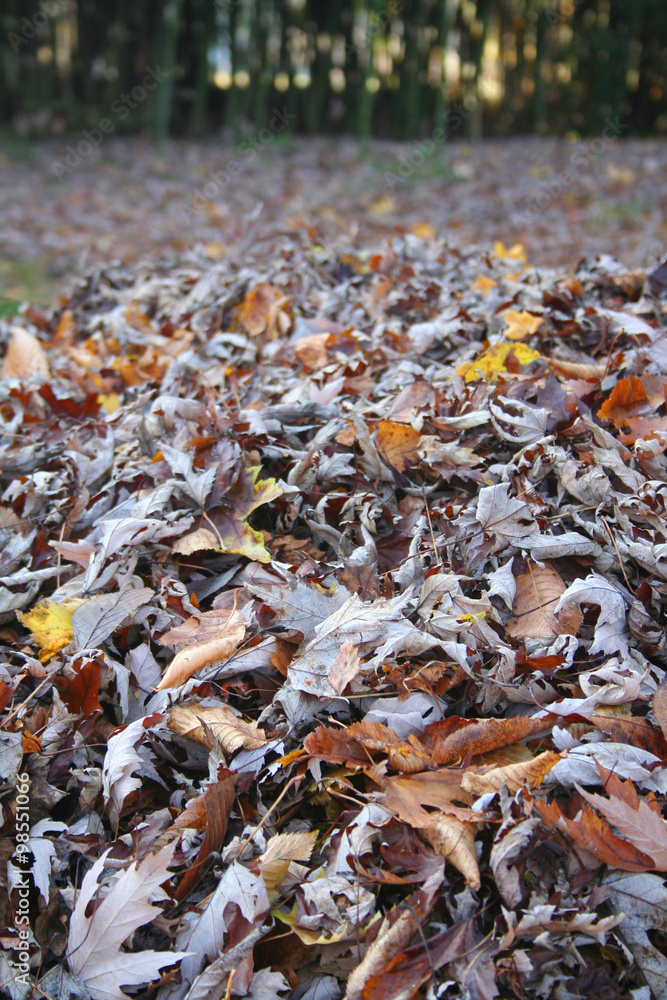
{"x":332,"y":602}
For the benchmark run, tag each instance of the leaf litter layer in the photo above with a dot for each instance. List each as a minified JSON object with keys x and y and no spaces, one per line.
{"x":333,"y":620}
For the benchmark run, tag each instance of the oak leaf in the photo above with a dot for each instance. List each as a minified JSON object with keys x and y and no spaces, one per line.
{"x":51,"y":625}
{"x":94,"y":952}
{"x":521,"y":324}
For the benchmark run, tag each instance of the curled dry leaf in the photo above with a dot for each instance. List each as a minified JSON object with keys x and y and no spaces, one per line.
{"x":480,"y":780}
{"x":455,"y":841}
{"x":197,"y":541}
{"x":264,"y":308}
{"x":312,"y":350}
{"x":231,"y":731}
{"x":198,"y":655}
{"x":454,"y":739}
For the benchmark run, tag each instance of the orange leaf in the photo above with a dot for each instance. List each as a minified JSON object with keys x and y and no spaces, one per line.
{"x":264,"y":308}
{"x":594,"y":835}
{"x":397,"y":444}
{"x":197,"y":655}
{"x":474,"y":736}
{"x":628,"y":399}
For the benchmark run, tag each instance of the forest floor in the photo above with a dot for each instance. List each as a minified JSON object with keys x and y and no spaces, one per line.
{"x":124,"y":203}
{"x":333,"y":574}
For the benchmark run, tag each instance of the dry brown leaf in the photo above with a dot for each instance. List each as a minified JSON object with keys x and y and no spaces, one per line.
{"x":480,"y":780}
{"x":591,"y":833}
{"x":660,"y":707}
{"x":196,"y":541}
{"x":356,"y":744}
{"x":231,"y":731}
{"x":454,"y":739}
{"x":189,"y":660}
{"x":397,"y":444}
{"x":312,"y":350}
{"x":201,"y":627}
{"x":406,"y":795}
{"x":264,"y":308}
{"x":280,"y":851}
{"x":633,"y":817}
{"x":574,"y":370}
{"x":345,"y":667}
{"x":25,"y":357}
{"x":208,"y":812}
{"x":538,"y":590}
{"x":419,"y":395}
{"x":455,"y":841}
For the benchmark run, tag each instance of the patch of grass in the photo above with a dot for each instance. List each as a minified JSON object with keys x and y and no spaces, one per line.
{"x":25,"y":281}
{"x":13,"y":147}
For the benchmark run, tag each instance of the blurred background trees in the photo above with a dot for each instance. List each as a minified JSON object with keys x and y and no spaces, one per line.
{"x":389,"y":68}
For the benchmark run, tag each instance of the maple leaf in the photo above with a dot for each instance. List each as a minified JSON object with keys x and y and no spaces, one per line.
{"x":521,"y":324}
{"x":232,"y":531}
{"x":484,"y":284}
{"x":51,"y":625}
{"x":94,"y":952}
{"x":515,"y":252}
{"x":494,"y":361}
{"x":398,"y":444}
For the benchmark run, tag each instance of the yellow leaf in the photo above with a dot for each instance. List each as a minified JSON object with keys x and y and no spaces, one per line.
{"x":383,"y":206}
{"x":521,"y":324}
{"x":315,"y":937}
{"x":515,"y":252}
{"x":51,"y":625}
{"x":109,"y":401}
{"x":236,"y":536}
{"x":423,"y":230}
{"x":483,"y":284}
{"x":493,"y":361}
